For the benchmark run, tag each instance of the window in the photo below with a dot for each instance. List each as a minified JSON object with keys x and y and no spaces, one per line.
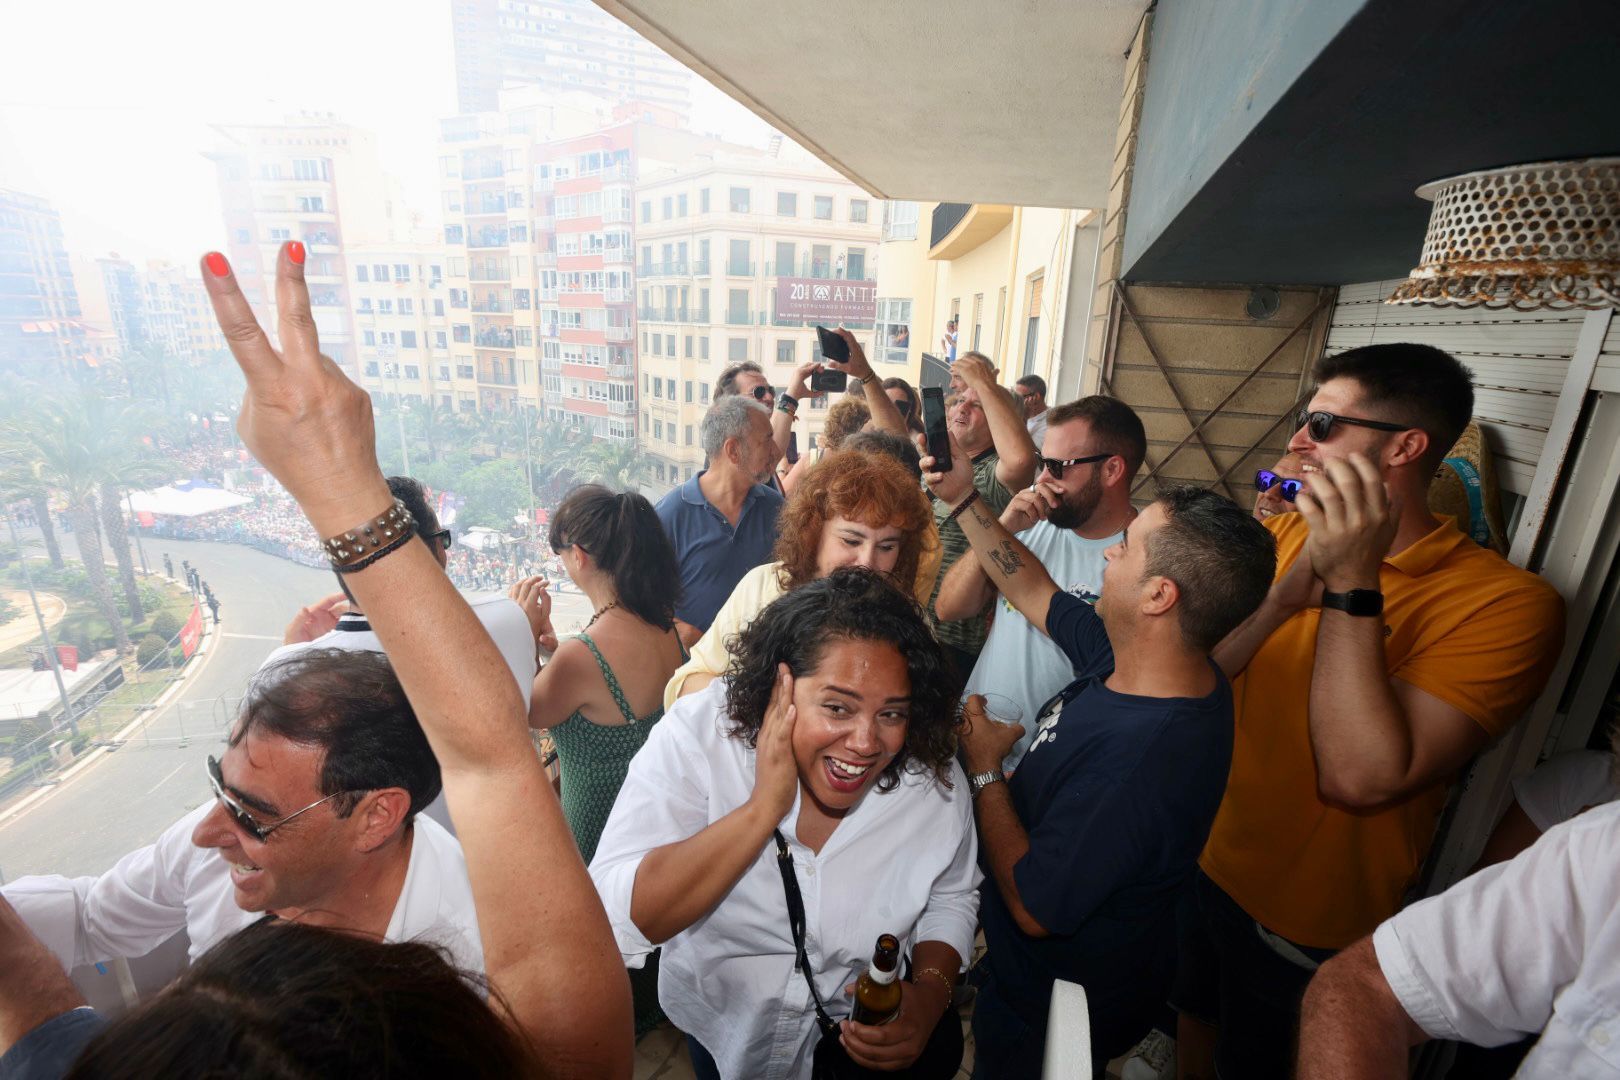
{"x":646,"y":211}
{"x":312,"y":204}
{"x":737,"y":307}
{"x":978,"y":320}
{"x":280,"y":235}
{"x":703,"y":354}
{"x":412,"y":371}
{"x":668,"y":207}
{"x":893,"y":330}
{"x":402,"y":272}
{"x":658,"y":429}
{"x":784,"y":260}
{"x":787,"y":204}
{"x":379,"y":272}
{"x":440,"y":340}
{"x":855,"y":264}
{"x":407,"y":339}
{"x":703,"y":201}
{"x":688,"y":385}
{"x":243,"y":236}
{"x":385,"y":306}
{"x":689,"y":433}
{"x":739,"y":200}
{"x":407,"y":306}
{"x":438,"y":308}
{"x":688,"y":352}
{"x":365,"y":305}
{"x":368,"y":337}
{"x":736,"y":349}
{"x":669,"y":344}
{"x":785,"y":348}
{"x":824,"y":207}
{"x":680,"y":205}
{"x":1032,"y":326}
{"x":310,"y":169}
{"x":360,"y":274}
{"x":738,"y":265}
{"x":658,"y":345}
{"x":899,"y":221}
{"x":371,"y":368}
{"x":857,"y":211}
{"x":461,"y":332}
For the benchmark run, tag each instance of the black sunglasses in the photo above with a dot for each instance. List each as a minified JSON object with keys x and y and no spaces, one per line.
{"x":1265,"y":480}
{"x":239,"y":813}
{"x":443,"y":537}
{"x":1056,"y":467}
{"x":762,"y":392}
{"x":1319,"y":425}
{"x":904,"y":405}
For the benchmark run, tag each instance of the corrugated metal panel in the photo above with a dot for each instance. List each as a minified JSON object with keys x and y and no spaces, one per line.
{"x":1519,"y":360}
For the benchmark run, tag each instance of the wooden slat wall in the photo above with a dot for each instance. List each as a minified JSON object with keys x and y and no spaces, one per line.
{"x":1518,"y":360}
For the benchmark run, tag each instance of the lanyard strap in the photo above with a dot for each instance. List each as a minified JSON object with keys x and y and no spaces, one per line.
{"x":795,"y":906}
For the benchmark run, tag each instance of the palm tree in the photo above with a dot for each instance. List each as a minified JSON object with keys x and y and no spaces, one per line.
{"x":124,"y":427}
{"x":556,"y":454}
{"x":61,"y":440}
{"x":19,"y":479}
{"x":437,"y":427}
{"x":618,"y":465}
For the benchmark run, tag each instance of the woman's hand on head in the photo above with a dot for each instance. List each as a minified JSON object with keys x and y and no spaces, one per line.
{"x":301,"y":416}
{"x":776,"y":772}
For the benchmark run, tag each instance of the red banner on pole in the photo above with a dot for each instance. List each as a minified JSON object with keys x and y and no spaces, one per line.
{"x":68,"y":657}
{"x":191,"y":633}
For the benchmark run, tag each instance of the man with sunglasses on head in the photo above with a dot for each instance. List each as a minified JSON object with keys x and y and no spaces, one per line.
{"x":1389,"y":651}
{"x":1076,"y":510}
{"x":313,"y":813}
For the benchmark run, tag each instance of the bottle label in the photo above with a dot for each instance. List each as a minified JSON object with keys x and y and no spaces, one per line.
{"x":882,"y":978}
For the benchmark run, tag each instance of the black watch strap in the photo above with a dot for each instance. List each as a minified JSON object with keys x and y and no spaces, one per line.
{"x":1368,"y":602}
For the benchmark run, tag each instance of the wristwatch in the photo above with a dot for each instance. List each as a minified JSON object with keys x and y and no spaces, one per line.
{"x":1355,"y":602}
{"x":979,"y":781}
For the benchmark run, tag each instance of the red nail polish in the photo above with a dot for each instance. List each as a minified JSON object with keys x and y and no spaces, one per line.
{"x":217,"y":264}
{"x":295,"y":251}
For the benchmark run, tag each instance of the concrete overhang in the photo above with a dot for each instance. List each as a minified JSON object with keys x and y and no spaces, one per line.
{"x":979,"y":223}
{"x":932,"y":100}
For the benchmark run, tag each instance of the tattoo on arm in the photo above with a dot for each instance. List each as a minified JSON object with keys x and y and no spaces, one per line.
{"x":1006,"y":559}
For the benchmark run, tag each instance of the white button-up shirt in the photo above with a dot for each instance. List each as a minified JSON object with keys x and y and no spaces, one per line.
{"x":900,"y":862}
{"x":1531,"y":945}
{"x":173,"y":885}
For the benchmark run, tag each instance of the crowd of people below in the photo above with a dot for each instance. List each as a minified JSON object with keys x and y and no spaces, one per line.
{"x":1187,"y":754}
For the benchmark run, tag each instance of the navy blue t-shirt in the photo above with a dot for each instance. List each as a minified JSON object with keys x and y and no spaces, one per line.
{"x":1117,"y":793}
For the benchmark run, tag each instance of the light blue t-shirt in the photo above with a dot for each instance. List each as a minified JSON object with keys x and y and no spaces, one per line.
{"x":1019,"y":662}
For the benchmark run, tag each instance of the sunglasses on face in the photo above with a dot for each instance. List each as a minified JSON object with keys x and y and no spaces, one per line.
{"x":904,"y":405}
{"x":443,"y":538}
{"x":1056,"y":467}
{"x":240,"y":814}
{"x":1265,"y":480}
{"x":1319,"y":425}
{"x":762,"y":392}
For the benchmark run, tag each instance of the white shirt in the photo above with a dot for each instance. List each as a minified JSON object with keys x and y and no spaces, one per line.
{"x":1526,"y":946}
{"x":502,"y":616}
{"x":154,"y":892}
{"x":901,"y":862}
{"x":1020,"y":662}
{"x":1563,"y":786}
{"x":1036,"y":425}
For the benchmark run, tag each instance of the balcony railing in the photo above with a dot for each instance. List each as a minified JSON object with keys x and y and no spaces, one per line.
{"x":545,"y":223}
{"x":498,"y":307}
{"x":543,"y":184}
{"x":947,"y":216}
{"x":739,"y":269}
{"x":805,"y":268}
{"x":622,"y":408}
{"x":616,"y":216}
{"x":617,"y":256}
{"x":619,"y":333}
{"x":486,"y":273}
{"x":617,"y":296}
{"x":700,"y":315}
{"x":739,"y":318}
{"x":672,"y":268}
{"x":545,"y":259}
{"x":486,"y":206}
{"x":663,"y":314}
{"x":489,"y":238}
{"x":620,"y":371}
{"x":490,"y":339}
{"x":320,"y":242}
{"x":495,"y":378}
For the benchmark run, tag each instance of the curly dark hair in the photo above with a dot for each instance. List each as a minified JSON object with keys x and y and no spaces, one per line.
{"x":870,"y":488}
{"x":850,"y":604}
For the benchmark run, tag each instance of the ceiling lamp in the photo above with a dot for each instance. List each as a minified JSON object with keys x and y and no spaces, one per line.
{"x":1526,"y":237}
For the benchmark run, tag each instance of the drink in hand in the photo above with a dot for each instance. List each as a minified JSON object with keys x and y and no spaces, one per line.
{"x":877,"y":993}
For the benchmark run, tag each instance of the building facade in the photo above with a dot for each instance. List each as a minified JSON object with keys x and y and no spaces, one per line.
{"x":314,"y":179}
{"x":402,"y":319}
{"x":718,"y":241}
{"x":40,"y":331}
{"x":564,"y":46}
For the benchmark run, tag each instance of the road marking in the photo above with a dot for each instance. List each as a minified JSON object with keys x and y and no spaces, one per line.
{"x":252,"y":637}
{"x":165,"y":780}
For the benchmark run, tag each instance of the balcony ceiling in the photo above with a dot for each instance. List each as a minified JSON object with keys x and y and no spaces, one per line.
{"x":1014,"y":101}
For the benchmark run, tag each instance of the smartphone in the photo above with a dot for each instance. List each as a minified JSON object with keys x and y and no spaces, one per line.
{"x":792,"y":454}
{"x":934,"y":426}
{"x":834,"y":348}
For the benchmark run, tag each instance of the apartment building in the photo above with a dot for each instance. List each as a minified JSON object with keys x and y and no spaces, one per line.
{"x":538,"y":210}
{"x":40,"y":329}
{"x":402,"y":319}
{"x":723,"y":245}
{"x":180,"y":317}
{"x":562,"y":46}
{"x":1005,"y":273}
{"x":312,"y":178}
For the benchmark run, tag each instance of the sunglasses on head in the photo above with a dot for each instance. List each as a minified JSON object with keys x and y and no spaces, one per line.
{"x":1265,"y":480}
{"x":1319,"y":425}
{"x":1056,"y":467}
{"x":240,"y":814}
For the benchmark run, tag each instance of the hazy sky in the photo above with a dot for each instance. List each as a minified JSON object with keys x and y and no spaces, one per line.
{"x":105,"y":105}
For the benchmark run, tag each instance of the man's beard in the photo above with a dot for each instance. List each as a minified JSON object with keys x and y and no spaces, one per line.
{"x":1076,"y":509}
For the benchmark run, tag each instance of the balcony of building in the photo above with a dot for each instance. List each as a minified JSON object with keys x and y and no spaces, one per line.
{"x":492,"y":306}
{"x":671,"y":268}
{"x":807,"y":267}
{"x":743,"y":317}
{"x":545,"y":223}
{"x":489,"y":273}
{"x":494,"y":338}
{"x":617,"y":256}
{"x":669,"y":313}
{"x":488,"y":238}
{"x":618,"y":333}
{"x":485,"y":206}
{"x":543,"y":185}
{"x":738,"y":268}
{"x":545,"y":260}
{"x":322,"y":242}
{"x":958,"y":228}
{"x":617,"y":295}
{"x":622,"y":408}
{"x":616,"y":216}
{"x":620,"y":371}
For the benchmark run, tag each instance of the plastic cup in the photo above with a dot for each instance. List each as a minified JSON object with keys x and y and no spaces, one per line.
{"x":1002,"y":709}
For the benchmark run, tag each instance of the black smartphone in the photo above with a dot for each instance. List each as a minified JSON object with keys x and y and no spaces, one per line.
{"x":793,"y":448}
{"x":934,"y":426}
{"x":833,"y":347}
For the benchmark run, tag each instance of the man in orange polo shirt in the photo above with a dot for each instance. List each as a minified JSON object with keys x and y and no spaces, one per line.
{"x":1390,"y":650}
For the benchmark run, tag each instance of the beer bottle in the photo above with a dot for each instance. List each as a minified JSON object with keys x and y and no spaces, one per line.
{"x":877,"y":993}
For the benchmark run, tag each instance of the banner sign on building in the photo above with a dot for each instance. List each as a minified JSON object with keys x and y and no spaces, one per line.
{"x":828,"y":301}
{"x":191,"y":633}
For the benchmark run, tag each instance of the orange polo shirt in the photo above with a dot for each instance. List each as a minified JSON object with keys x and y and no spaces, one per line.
{"x":1460,"y":623}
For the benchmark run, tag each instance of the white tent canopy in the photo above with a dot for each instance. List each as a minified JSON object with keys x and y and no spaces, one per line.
{"x":190,"y":501}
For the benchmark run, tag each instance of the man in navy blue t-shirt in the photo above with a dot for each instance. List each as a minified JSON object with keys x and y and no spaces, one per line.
{"x":1086,"y":848}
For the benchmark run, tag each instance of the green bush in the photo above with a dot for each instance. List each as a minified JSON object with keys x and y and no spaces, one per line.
{"x":150,"y":650}
{"x":166,"y":625}
{"x":80,"y":742}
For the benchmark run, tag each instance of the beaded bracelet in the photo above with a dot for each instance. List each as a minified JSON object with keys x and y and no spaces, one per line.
{"x":950,"y":986}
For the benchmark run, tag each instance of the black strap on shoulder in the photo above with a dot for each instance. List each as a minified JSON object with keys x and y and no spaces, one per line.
{"x":795,"y":906}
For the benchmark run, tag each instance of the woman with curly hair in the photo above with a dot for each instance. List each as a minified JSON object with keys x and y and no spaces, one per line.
{"x":826,"y":752}
{"x":850,"y":509}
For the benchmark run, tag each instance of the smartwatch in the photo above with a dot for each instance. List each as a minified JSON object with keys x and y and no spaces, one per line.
{"x":979,"y":781}
{"x":1368,"y":602}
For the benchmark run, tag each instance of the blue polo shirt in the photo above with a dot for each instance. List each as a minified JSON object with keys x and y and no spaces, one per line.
{"x":713,"y":555}
{"x":1117,"y":793}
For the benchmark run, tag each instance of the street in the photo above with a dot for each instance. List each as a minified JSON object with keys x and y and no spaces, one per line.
{"x":129,"y":796}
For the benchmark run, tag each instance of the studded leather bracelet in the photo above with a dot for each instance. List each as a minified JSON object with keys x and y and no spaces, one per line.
{"x":363,"y":545}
